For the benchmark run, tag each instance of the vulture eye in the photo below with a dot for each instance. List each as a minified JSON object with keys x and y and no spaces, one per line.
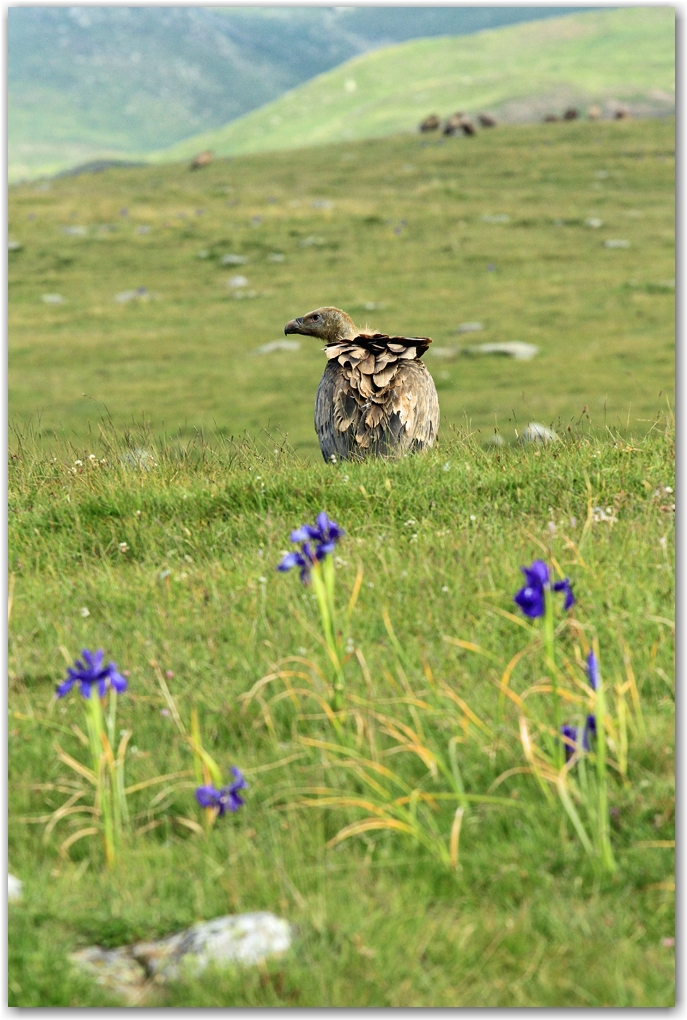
{"x":316,"y":318}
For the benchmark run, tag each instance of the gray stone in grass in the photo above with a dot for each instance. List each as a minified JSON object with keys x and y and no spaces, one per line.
{"x":443,"y":352}
{"x":616,"y":244}
{"x":495,"y":440}
{"x":278,"y":345}
{"x":244,"y":939}
{"x":113,"y":969}
{"x":469,"y":327}
{"x":233,"y":260}
{"x":15,"y":888}
{"x":513,"y":349}
{"x":14,"y":245}
{"x":537,"y":433}
{"x":138,"y":458}
{"x":238,"y":939}
{"x":52,"y":299}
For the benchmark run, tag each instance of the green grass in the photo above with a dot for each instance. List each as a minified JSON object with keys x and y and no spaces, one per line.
{"x":602,"y":318}
{"x":526,"y":921}
{"x":520,"y":72}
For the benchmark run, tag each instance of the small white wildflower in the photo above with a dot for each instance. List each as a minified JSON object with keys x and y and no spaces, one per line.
{"x":164,"y":574}
{"x":445,"y":588}
{"x":103,"y":461}
{"x":123,"y":547}
{"x":78,"y":463}
{"x":669,"y":488}
{"x":262,"y":580}
{"x":92,"y":456}
{"x":446,"y":466}
{"x":84,"y":612}
{"x":138,"y":513}
{"x":472,"y":517}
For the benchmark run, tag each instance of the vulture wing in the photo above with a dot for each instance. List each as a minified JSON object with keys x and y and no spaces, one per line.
{"x":376,"y":397}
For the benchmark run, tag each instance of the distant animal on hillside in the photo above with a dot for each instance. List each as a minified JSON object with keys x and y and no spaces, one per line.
{"x":594,"y":112}
{"x":551,"y":118}
{"x":621,"y":113}
{"x":201,"y":160}
{"x":486,"y":120}
{"x":453,"y":124}
{"x":571,"y":113}
{"x":375,"y":398}
{"x":431,"y":123}
{"x":467,"y":127}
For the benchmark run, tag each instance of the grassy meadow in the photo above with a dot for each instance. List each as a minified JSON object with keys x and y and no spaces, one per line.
{"x":158,"y":464}
{"x":526,"y":919}
{"x":404,"y":225}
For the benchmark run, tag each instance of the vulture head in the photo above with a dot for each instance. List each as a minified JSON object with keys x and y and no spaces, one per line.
{"x":328,"y":324}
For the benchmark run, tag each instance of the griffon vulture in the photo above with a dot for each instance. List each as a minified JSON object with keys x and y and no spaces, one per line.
{"x":375,"y":398}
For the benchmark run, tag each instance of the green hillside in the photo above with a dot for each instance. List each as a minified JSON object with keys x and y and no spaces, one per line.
{"x":519,"y":72}
{"x":105,"y":82}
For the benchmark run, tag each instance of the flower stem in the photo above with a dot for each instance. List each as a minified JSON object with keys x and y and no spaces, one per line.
{"x":323,"y":580}
{"x":603,"y":827}
{"x":549,"y":648}
{"x":96,"y":732}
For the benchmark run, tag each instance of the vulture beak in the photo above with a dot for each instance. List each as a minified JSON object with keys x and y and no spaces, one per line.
{"x":295,"y":326}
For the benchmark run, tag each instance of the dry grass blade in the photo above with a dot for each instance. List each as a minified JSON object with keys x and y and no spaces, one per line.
{"x":455,"y":837}
{"x":171,"y":704}
{"x":190,"y":824}
{"x":155,"y":780}
{"x":90,"y":831}
{"x":465,"y":708}
{"x":367,"y":825}
{"x":357,"y":585}
{"x":87,"y":773}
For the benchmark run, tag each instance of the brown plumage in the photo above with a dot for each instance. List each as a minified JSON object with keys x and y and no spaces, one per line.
{"x":375,"y":398}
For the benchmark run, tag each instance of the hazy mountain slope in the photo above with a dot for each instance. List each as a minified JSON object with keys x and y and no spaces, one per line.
{"x":519,"y":72}
{"x":94,"y":81}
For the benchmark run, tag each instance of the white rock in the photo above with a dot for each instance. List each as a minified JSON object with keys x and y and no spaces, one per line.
{"x":233,"y":260}
{"x":537,"y":433}
{"x":470,"y":327}
{"x":139,"y":458}
{"x":276,"y":256}
{"x":13,"y":245}
{"x":593,"y":222}
{"x":15,"y":888}
{"x":499,"y":218}
{"x":244,"y":939}
{"x":495,"y":440}
{"x":52,"y":299}
{"x":312,"y":241}
{"x":237,"y":281}
{"x":278,"y":345}
{"x":514,"y":349}
{"x":75,"y":231}
{"x":616,"y":244}
{"x":443,"y":352}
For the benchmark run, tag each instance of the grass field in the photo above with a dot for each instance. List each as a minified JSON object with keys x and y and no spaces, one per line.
{"x":520,"y":72}
{"x":405,"y":225}
{"x":158,"y":542}
{"x":527,"y":919}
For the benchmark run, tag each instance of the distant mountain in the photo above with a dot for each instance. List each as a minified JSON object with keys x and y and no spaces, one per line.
{"x":522,"y":72}
{"x":94,"y":82}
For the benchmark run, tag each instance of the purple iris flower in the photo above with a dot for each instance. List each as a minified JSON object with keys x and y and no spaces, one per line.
{"x":531,"y":597}
{"x":572,"y":733}
{"x":565,"y":586}
{"x":325,"y":533}
{"x":593,"y":670}
{"x":91,"y":672}
{"x":228,"y":798}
